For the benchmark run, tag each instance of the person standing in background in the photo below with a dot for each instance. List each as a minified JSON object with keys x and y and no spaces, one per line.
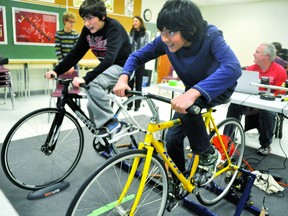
{"x":278,"y":59}
{"x":66,"y":38}
{"x":138,"y":38}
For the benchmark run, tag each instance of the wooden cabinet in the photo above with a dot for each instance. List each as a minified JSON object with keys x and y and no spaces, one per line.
{"x":163,"y":67}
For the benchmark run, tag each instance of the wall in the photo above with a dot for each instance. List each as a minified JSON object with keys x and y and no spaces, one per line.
{"x":247,"y":25}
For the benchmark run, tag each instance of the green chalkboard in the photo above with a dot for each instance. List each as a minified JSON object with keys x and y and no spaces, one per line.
{"x":13,"y":51}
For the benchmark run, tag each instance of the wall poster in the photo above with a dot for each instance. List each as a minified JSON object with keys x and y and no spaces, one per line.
{"x":3,"y":30}
{"x":109,"y":5}
{"x":129,"y":7}
{"x":33,"y":27}
{"x":77,"y":3}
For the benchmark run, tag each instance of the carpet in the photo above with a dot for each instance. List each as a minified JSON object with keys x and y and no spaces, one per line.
{"x":58,"y":203}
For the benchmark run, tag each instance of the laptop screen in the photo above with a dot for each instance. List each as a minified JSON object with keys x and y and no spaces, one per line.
{"x":244,"y":81}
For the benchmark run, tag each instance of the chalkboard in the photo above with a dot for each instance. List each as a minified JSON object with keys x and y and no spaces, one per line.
{"x":12,"y":51}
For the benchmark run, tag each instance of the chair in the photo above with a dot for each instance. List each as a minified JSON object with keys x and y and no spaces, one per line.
{"x":6,"y":82}
{"x":58,"y":90}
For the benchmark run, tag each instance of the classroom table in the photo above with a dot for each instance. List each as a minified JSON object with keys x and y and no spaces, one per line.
{"x":241,"y":98}
{"x":22,"y":67}
{"x":281,"y":107}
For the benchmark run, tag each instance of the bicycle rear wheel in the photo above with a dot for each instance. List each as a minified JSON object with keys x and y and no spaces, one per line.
{"x":233,"y":136}
{"x":100,"y":192}
{"x":134,"y":123}
{"x":28,"y":162}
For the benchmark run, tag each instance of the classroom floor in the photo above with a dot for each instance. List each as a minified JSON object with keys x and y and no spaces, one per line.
{"x":22,"y":107}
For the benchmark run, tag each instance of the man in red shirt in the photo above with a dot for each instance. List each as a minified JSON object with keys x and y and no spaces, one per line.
{"x":263,"y":59}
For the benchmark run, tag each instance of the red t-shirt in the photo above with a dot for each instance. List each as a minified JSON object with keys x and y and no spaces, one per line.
{"x":276,"y":73}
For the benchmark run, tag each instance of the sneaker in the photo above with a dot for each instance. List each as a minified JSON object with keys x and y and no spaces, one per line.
{"x":111,"y":126}
{"x":207,"y":168}
{"x":172,"y":201}
{"x":264,"y":151}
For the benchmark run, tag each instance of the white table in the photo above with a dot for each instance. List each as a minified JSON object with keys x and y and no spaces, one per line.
{"x":256,"y":102}
{"x":241,"y":98}
{"x":247,"y":100}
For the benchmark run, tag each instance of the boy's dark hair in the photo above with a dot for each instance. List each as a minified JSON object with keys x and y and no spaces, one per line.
{"x":95,"y":8}
{"x":183,"y":16}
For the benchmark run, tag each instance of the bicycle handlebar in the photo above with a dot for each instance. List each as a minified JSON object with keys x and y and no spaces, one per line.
{"x":69,"y":80}
{"x":194,"y":109}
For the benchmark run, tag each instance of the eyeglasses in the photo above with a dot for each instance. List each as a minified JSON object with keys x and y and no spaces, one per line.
{"x":71,"y":21}
{"x":168,"y":33}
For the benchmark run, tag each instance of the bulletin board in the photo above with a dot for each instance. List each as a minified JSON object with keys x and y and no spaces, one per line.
{"x":3,"y":29}
{"x":27,"y":50}
{"x":34,"y":27}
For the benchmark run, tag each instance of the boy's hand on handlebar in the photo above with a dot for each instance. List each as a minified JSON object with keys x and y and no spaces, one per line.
{"x":182,"y":102}
{"x":77,"y":81}
{"x":121,"y":86}
{"x":50,"y":75}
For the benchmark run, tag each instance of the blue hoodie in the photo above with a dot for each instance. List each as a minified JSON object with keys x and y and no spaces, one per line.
{"x":209,"y":65}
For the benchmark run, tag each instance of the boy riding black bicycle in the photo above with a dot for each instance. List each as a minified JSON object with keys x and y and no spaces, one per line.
{"x":109,"y":42}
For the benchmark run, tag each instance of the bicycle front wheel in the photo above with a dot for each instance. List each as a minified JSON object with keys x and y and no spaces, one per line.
{"x":101,"y":191}
{"x":30,"y":163}
{"x":232,"y":134}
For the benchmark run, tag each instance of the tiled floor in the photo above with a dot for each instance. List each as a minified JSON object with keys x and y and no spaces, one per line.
{"x":22,"y":107}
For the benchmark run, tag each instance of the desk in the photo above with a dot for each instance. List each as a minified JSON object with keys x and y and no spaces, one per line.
{"x":241,"y":98}
{"x":24,"y":65}
{"x":166,"y":86}
{"x":247,"y":100}
{"x":256,"y":102}
{"x":87,"y":63}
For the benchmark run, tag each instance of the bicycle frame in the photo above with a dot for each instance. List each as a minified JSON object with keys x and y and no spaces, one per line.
{"x":66,"y":98}
{"x":69,"y":99}
{"x":151,"y":144}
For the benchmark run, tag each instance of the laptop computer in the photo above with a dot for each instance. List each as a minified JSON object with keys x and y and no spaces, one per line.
{"x":244,"y":81}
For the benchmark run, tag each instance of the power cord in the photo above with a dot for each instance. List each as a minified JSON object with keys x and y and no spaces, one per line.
{"x":264,"y":210}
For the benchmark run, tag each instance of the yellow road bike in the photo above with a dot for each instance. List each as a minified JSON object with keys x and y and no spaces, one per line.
{"x":136,"y":182}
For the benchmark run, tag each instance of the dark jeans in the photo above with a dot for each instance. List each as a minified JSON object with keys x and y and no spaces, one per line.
{"x":137,"y":80}
{"x":265,"y":125}
{"x":194,"y":128}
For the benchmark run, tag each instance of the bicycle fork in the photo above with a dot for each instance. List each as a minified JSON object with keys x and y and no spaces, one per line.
{"x":52,"y":136}
{"x":149,"y":154}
